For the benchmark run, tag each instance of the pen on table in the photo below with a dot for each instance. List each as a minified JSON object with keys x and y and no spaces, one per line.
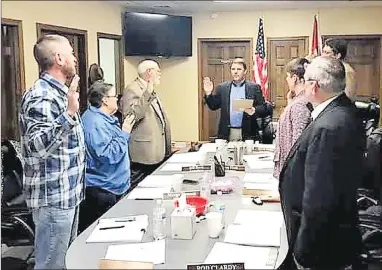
{"x":113,"y":227}
{"x":125,"y":220}
{"x":144,"y":199}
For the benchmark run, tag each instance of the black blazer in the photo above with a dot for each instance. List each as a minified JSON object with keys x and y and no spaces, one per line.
{"x":221,"y":100}
{"x":318,"y":186}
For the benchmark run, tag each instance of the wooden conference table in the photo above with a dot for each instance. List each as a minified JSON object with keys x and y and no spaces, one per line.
{"x":179,"y":253}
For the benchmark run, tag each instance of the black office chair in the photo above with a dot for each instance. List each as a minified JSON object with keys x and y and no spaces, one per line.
{"x":17,"y":227}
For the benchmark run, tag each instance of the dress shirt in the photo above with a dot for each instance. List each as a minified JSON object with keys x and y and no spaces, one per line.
{"x":320,"y":107}
{"x":237,"y":92}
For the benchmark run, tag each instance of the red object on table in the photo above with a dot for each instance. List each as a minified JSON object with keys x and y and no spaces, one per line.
{"x":199,"y":203}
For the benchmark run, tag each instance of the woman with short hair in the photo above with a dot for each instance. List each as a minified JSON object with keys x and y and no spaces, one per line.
{"x":108,"y":163}
{"x":295,"y":117}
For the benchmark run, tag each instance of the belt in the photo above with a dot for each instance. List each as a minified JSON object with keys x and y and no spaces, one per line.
{"x":234,"y":127}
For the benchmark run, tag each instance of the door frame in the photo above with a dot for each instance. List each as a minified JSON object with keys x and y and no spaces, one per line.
{"x":200,"y":79}
{"x":380,"y":57}
{"x":83,"y":35}
{"x":121,"y":58}
{"x":20,"y":61}
{"x":269,"y":41}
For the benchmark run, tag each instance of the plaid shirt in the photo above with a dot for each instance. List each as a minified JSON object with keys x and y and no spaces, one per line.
{"x":52,"y":147}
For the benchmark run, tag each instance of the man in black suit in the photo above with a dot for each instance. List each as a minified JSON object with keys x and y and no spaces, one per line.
{"x":236,"y":125}
{"x":319,"y":180}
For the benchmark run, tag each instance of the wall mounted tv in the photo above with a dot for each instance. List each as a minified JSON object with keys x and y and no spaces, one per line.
{"x":148,"y":34}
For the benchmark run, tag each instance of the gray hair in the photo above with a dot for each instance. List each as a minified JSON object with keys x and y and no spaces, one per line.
{"x":328,"y":72}
{"x":45,"y":49}
{"x":146,"y":65}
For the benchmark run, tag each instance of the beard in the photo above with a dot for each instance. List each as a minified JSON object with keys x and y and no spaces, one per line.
{"x":69,"y":72}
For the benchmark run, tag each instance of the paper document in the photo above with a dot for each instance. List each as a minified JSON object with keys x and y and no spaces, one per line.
{"x":262,"y":186}
{"x":259,"y":178}
{"x":175,"y":167}
{"x":263,"y":146}
{"x":123,"y":229}
{"x":255,"y":163}
{"x":148,"y":193}
{"x":260,"y":217}
{"x":152,"y":252}
{"x":252,"y":257}
{"x":242,"y":104}
{"x":254,"y":235}
{"x":207,"y":147}
{"x":189,"y":157}
{"x":157,"y":181}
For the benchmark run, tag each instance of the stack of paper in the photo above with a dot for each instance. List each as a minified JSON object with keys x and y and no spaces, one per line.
{"x":148,"y":193}
{"x":254,"y":162}
{"x":252,"y":257}
{"x":151,"y":252}
{"x":157,"y":181}
{"x":266,"y":147}
{"x":259,"y":178}
{"x":123,"y":229}
{"x":207,"y":147}
{"x":254,"y":235}
{"x":259,"y":217}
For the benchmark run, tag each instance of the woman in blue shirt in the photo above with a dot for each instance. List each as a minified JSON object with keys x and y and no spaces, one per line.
{"x":108,"y":163}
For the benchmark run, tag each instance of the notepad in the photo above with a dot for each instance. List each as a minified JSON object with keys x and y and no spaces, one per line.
{"x":254,"y":235}
{"x":262,"y":217}
{"x":254,"y":163}
{"x":242,"y":104}
{"x":175,"y":167}
{"x":141,"y":193}
{"x":262,"y":186}
{"x":252,"y":257}
{"x":151,"y":252}
{"x":123,"y":229}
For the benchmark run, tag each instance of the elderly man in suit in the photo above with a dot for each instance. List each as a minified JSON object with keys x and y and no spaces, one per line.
{"x":236,"y":125}
{"x":150,"y":141}
{"x":319,"y":180}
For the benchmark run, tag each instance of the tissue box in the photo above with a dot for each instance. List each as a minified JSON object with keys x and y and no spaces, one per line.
{"x":183,"y":223}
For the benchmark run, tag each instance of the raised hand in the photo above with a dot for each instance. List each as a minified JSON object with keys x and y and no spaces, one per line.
{"x":128,"y":123}
{"x":208,"y":85}
{"x":73,"y":96}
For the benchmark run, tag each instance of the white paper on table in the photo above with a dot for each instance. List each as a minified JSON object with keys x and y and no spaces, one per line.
{"x":189,"y":157}
{"x":175,"y":167}
{"x":151,"y":252}
{"x":131,"y":232}
{"x":254,"y":235}
{"x":252,"y":257}
{"x":148,"y":193}
{"x":255,"y":163}
{"x":260,"y":217}
{"x":207,"y":147}
{"x":259,"y":178}
{"x":262,"y":186}
{"x":154,"y":180}
{"x":270,"y":147}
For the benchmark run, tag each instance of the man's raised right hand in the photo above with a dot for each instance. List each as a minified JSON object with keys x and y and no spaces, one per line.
{"x":73,"y":96}
{"x":208,"y":85}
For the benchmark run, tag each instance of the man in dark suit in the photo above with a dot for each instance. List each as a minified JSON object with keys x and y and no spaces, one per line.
{"x":236,"y":125}
{"x":319,"y":180}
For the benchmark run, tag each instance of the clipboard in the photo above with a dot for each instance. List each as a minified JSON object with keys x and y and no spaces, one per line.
{"x":240,"y":105}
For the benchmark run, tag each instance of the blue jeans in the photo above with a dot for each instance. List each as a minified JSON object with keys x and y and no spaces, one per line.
{"x":55,"y":230}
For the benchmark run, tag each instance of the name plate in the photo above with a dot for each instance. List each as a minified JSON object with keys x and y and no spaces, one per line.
{"x":239,"y":168}
{"x":220,"y":266}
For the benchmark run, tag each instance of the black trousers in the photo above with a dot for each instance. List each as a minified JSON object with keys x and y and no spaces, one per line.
{"x":140,"y":171}
{"x":97,"y":202}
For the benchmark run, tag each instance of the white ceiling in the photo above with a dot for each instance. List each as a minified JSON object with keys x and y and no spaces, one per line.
{"x":173,"y":7}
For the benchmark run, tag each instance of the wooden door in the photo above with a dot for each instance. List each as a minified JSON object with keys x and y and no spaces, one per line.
{"x":364,"y":56}
{"x":281,"y":51}
{"x":78,"y":40}
{"x":12,"y":78}
{"x":214,"y":62}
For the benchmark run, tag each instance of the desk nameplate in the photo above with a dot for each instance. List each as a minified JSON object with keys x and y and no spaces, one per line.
{"x":217,"y":266}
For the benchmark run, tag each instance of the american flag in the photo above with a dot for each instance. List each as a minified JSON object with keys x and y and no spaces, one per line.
{"x":260,"y":74}
{"x":316,"y":40}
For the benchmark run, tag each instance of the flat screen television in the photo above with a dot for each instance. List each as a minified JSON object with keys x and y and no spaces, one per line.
{"x":148,"y":34}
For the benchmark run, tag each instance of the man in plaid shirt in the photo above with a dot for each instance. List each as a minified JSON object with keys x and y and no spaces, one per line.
{"x":53,"y":151}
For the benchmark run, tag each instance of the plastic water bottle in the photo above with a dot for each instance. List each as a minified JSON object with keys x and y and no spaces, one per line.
{"x":220,"y":207}
{"x":159,"y":221}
